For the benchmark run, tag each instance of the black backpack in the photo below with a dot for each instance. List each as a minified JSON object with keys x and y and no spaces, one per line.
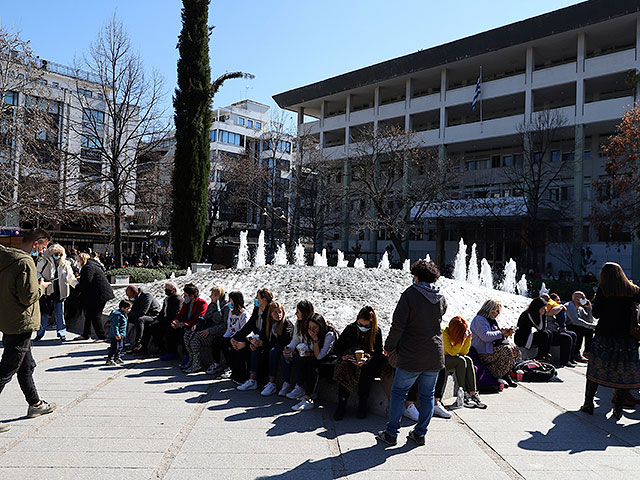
{"x":535,"y":371}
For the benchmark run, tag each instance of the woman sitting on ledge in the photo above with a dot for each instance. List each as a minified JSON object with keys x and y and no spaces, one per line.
{"x":492,"y":344}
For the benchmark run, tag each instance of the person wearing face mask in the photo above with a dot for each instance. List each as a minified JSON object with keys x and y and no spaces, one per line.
{"x":158,"y":328}
{"x":95,"y":292}
{"x":491,"y":342}
{"x":55,"y":268}
{"x":144,"y":311}
{"x":193,"y":308}
{"x":199,"y":340}
{"x":236,"y":319}
{"x":580,"y":321}
{"x":353,"y":375}
{"x":256,"y":325}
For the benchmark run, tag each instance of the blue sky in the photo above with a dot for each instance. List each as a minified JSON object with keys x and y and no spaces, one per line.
{"x":284,"y":43}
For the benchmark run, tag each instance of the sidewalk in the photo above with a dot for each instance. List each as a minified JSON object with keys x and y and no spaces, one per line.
{"x":151,"y":421}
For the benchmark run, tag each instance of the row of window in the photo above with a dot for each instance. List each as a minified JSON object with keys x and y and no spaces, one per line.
{"x":497,"y":161}
{"x":226,"y":137}
{"x":248,"y":123}
{"x":281,"y":146}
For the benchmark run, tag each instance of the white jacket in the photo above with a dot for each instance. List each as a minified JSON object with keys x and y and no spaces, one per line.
{"x":63,"y":272}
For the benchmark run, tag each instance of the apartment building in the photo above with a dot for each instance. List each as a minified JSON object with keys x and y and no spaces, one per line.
{"x":571,"y":63}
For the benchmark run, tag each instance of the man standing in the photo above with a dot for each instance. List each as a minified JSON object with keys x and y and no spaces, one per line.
{"x":145,"y":310}
{"x":415,"y":338}
{"x":20,"y":293}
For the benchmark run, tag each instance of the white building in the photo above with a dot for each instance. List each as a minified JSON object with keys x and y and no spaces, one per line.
{"x":572,"y":62}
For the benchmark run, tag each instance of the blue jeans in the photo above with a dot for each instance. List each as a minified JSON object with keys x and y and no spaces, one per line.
{"x":274,"y":360}
{"x":58,"y":314}
{"x":401,"y":384}
{"x":295,"y":362}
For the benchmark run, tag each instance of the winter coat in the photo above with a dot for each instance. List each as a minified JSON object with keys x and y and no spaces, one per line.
{"x":170,"y":308}
{"x":252,"y":326}
{"x":118,"y":321}
{"x":19,"y":292}
{"x":579,"y":316}
{"x":63,"y":272}
{"x":282,"y":340}
{"x":613,"y":314}
{"x":214,"y":320}
{"x":415,"y":331}
{"x":145,"y":305}
{"x":198,"y":309}
{"x":527,"y":326}
{"x":94,"y":285}
{"x":484,"y":334}
{"x":352,"y":339}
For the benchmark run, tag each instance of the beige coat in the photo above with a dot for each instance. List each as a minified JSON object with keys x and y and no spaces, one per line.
{"x":63,"y":272}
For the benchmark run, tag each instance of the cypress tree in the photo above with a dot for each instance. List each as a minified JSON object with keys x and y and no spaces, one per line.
{"x":192,"y":103}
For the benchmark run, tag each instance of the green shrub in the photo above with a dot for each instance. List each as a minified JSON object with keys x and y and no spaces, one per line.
{"x":138,"y":274}
{"x":563,"y":288}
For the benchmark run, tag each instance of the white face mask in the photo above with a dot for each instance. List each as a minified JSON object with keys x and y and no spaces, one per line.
{"x":583,"y":301}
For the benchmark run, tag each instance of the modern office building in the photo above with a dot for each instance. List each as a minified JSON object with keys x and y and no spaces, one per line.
{"x":572,"y":64}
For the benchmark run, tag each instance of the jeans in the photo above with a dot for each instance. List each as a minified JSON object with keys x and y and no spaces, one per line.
{"x":402,"y":382}
{"x":17,"y":359}
{"x":115,"y":350}
{"x":566,"y":340}
{"x":274,"y":359}
{"x":58,"y":314}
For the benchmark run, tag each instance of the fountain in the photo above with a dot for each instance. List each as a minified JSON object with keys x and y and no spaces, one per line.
{"x":341,"y":261}
{"x":427,"y":258}
{"x":522,"y":287}
{"x":172,"y":276}
{"x":460,"y":264}
{"x":280,"y":257}
{"x":188,"y":272}
{"x":260,"y":260}
{"x":384,"y":262}
{"x":472,"y":272}
{"x":509,"y":281}
{"x":320,"y":260}
{"x":243,"y":252}
{"x":406,"y":266}
{"x":300,"y":258}
{"x":359,"y":263}
{"x":486,"y":277}
{"x":543,"y":289}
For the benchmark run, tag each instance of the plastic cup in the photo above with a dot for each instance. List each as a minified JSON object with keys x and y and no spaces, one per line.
{"x":359,"y":355}
{"x":519,"y":375}
{"x":302,"y":349}
{"x":501,"y":383}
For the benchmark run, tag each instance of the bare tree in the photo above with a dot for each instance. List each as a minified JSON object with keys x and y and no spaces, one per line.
{"x":397,"y":180}
{"x":118,"y":125}
{"x":30,"y":137}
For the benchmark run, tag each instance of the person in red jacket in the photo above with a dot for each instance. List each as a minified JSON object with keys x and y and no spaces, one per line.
{"x":193,"y":308}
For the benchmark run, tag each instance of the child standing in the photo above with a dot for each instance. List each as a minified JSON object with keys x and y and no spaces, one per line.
{"x":118,"y":331}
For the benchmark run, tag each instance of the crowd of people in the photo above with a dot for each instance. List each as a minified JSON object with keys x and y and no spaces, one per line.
{"x":261,"y":348}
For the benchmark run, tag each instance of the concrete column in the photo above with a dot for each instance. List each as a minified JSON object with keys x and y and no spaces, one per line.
{"x":348,"y":109}
{"x":528,"y":80}
{"x":322,"y":145}
{"x":323,"y":112}
{"x":407,"y":103}
{"x":580,"y":63}
{"x":346,"y":203}
{"x":443,"y":99}
{"x":578,"y":196}
{"x":376,"y":101}
{"x":638,"y":40}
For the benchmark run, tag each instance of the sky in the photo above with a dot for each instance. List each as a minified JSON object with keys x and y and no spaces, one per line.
{"x":285,"y":43}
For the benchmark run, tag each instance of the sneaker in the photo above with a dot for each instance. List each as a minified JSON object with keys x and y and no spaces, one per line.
{"x":214,"y":368}
{"x":226,"y":374}
{"x":572,"y":364}
{"x":38,"y":338}
{"x":63,"y":339}
{"x":186,"y":362}
{"x":286,"y":388}
{"x":81,"y":337}
{"x":475,"y":398}
{"x":580,"y":359}
{"x":419,"y":439}
{"x":119,"y":361}
{"x":411,"y":412}
{"x":303,"y":404}
{"x":439,"y":411}
{"x":269,"y":389}
{"x":41,"y":408}
{"x":193,"y":369}
{"x":296,"y":393}
{"x":168,"y":356}
{"x":110,"y":362}
{"x":250,"y":384}
{"x":4,"y":427}
{"x":467,"y":402}
{"x":384,"y":437}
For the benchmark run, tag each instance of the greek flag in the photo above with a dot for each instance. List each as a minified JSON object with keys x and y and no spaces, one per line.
{"x":476,"y":95}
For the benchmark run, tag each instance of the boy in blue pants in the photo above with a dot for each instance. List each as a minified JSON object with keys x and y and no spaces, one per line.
{"x":118,"y":331}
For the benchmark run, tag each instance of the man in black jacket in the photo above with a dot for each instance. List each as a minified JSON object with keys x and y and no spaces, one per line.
{"x":158,"y":328}
{"x":145,"y":310}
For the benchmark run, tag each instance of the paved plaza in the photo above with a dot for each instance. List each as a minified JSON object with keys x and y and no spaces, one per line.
{"x":149,"y":420}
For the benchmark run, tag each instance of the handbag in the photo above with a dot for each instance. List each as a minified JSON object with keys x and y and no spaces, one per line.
{"x":634,"y":327}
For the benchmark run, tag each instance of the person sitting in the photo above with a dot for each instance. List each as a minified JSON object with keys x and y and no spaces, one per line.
{"x":158,"y":328}
{"x":362,"y":336}
{"x":222,"y":345}
{"x":317,"y":343}
{"x":193,"y":307}
{"x":532,"y":329}
{"x":556,"y":324}
{"x":304,"y":310}
{"x":411,"y":411}
{"x":456,"y":338}
{"x":580,"y":321}
{"x":279,"y":332}
{"x":491,"y":342}
{"x":199,"y":340}
{"x":255,"y":328}
{"x":144,"y":311}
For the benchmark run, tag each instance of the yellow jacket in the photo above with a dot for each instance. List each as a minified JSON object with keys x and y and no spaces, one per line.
{"x":453,"y":350}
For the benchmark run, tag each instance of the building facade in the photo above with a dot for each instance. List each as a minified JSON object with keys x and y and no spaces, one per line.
{"x":571,"y":64}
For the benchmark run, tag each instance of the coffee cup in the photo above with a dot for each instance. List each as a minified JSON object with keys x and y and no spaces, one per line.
{"x":302,"y":349}
{"x":519,"y":375}
{"x":359,"y":354}
{"x":501,"y":383}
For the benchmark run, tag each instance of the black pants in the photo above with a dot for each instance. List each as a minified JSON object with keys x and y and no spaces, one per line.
{"x":93,"y":316}
{"x":139,"y":325}
{"x":238,"y":361}
{"x":115,"y":350}
{"x":566,"y":341}
{"x":17,"y":358}
{"x":581,"y":333}
{"x":173,"y":338}
{"x":542,"y":339}
{"x":441,"y":383}
{"x":308,"y":369}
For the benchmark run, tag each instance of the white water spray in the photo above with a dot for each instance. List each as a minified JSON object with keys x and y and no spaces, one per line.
{"x":359,"y":263}
{"x":341,"y":261}
{"x":260,"y":260}
{"x":509,"y":281}
{"x":280,"y":257}
{"x":473,"y":277}
{"x":384,"y":262}
{"x":300,"y":258}
{"x":243,"y":251}
{"x":406,"y":266}
{"x":522,"y":287}
{"x":460,"y":264}
{"x":486,"y":276}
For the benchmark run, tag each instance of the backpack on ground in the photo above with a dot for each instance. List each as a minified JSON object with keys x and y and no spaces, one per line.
{"x":534,"y":371}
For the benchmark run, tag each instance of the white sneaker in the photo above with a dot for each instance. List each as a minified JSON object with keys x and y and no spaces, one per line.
{"x":411,"y":412}
{"x":296,"y":393}
{"x":269,"y":389}
{"x":303,"y":404}
{"x":286,"y":388}
{"x":439,"y":411}
{"x":250,"y":384}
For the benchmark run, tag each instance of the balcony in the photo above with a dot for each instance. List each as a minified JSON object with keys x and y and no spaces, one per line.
{"x":564,"y":73}
{"x":612,"y":109}
{"x":610,"y":63}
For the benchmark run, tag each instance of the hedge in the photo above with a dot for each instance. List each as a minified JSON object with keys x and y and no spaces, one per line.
{"x":139,"y":274}
{"x":563,"y":288}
